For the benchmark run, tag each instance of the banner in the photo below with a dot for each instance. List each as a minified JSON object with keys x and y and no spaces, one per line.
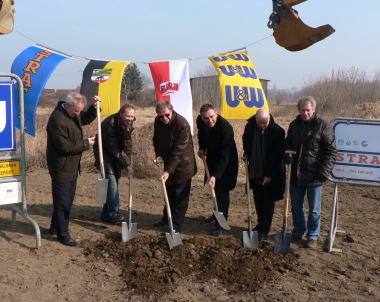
{"x":34,"y":66}
{"x":172,"y":82}
{"x":104,"y":78}
{"x":241,"y":92}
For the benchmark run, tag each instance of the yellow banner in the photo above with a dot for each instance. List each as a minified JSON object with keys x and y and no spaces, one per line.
{"x":240,"y":87}
{"x":9,"y":168}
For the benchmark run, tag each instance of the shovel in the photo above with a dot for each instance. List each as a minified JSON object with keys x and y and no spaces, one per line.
{"x":173,"y":237}
{"x":218,"y":215}
{"x":129,"y":231}
{"x":250,"y":239}
{"x":101,"y":190}
{"x":282,"y":241}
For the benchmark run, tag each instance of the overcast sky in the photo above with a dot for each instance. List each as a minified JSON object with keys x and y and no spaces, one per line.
{"x":150,"y":30}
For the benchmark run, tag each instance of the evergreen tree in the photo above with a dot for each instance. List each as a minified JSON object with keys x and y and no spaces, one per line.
{"x":132,"y":83}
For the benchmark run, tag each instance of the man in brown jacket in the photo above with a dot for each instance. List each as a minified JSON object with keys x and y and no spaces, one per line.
{"x":173,"y":145}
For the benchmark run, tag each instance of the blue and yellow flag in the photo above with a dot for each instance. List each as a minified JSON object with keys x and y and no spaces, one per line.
{"x":103,"y":78}
{"x":34,"y":66}
{"x":241,"y":92}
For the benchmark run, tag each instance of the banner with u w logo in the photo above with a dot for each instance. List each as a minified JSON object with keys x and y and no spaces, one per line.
{"x":240,"y":87}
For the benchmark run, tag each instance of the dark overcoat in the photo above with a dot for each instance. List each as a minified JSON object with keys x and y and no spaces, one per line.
{"x":274,"y":152}
{"x":65,"y":142}
{"x":222,"y":157}
{"x":174,"y":143}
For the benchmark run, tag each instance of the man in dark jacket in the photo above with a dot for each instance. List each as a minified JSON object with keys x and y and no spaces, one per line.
{"x":263,"y":144}
{"x":116,"y":138}
{"x":314,"y":141}
{"x":65,"y":145}
{"x":173,"y":145}
{"x":216,"y":141}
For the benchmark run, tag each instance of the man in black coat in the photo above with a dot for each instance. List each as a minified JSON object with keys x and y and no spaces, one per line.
{"x":65,"y":145}
{"x":216,"y":140}
{"x":263,"y":144}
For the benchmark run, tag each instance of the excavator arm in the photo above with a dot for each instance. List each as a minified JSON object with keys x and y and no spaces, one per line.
{"x":288,"y":29}
{"x":7,"y":17}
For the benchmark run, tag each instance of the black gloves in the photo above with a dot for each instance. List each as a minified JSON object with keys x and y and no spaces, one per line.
{"x":322,"y":178}
{"x":288,"y":158}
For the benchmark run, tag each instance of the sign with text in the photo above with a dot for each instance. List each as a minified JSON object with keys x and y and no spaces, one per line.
{"x":9,"y":168}
{"x":10,"y":192}
{"x":358,"y":147}
{"x":7,"y":127}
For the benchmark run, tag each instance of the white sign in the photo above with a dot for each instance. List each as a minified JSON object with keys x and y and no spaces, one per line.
{"x":10,"y":192}
{"x":358,"y":146}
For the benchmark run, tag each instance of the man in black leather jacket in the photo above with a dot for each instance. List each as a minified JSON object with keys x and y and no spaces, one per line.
{"x":314,"y":142}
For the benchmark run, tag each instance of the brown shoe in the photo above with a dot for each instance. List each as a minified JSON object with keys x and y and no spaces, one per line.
{"x":311,"y":243}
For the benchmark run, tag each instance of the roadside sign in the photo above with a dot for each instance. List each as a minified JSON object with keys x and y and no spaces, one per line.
{"x":7,"y":127}
{"x":9,"y":168}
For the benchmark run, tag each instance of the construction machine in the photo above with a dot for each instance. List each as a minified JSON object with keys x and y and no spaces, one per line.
{"x":7,"y":17}
{"x":288,"y":29}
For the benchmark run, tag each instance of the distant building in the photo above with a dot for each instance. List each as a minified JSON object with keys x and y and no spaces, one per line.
{"x":48,"y":91}
{"x":207,"y":90}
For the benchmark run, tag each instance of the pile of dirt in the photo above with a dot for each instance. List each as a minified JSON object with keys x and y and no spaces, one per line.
{"x":150,"y":268}
{"x":367,"y":110}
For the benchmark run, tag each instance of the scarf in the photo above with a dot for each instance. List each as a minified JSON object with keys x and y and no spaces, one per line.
{"x":257,"y":158}
{"x":127,"y":138}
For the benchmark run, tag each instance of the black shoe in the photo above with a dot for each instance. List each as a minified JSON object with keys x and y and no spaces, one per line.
{"x":68,"y":242}
{"x":116,"y":219}
{"x":209,"y":219}
{"x":161,"y":222}
{"x":263,"y":236}
{"x":217,"y":232}
{"x":53,"y":231}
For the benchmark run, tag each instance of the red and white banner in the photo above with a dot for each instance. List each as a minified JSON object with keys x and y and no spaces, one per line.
{"x":172,"y":82}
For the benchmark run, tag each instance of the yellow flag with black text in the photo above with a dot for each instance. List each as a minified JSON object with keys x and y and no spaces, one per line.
{"x":241,"y":91}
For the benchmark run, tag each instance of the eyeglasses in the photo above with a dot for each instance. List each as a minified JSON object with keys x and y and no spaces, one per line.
{"x":165,"y":115}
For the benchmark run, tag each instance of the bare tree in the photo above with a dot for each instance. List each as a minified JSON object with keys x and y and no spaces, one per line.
{"x":280,"y":96}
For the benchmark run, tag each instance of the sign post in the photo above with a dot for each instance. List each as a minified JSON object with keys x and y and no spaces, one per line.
{"x":358,"y":160}
{"x":13,"y":166}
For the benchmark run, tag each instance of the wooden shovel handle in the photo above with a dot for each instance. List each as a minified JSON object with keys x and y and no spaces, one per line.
{"x":288,"y":174}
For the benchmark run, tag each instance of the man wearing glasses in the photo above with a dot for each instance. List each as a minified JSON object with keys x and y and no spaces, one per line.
{"x":173,"y":146}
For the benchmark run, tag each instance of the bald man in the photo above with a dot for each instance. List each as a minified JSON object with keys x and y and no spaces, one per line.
{"x":263,"y":144}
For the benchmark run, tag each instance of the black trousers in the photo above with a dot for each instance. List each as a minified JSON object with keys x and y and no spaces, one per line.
{"x":63,"y":198}
{"x":223,"y":201}
{"x":178,"y":195}
{"x":264,"y":208}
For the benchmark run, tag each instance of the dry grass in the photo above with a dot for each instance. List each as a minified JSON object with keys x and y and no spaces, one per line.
{"x":143,"y":134}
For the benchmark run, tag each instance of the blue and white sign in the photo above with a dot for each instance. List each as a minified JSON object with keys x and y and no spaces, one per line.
{"x":7,"y":127}
{"x":358,"y":147}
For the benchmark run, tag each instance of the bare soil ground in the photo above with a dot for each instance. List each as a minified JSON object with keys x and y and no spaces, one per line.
{"x":203,"y":268}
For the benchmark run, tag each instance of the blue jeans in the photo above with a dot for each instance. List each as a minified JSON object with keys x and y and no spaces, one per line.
{"x":314,"y":197}
{"x":111,"y":207}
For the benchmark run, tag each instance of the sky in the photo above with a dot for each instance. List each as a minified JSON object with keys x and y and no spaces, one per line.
{"x":151,"y":30}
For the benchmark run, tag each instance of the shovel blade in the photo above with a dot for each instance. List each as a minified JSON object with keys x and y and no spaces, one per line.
{"x":282,"y":246}
{"x":128,"y":233}
{"x":222,"y":220}
{"x":251,"y":242}
{"x":173,"y":241}
{"x":101,"y":191}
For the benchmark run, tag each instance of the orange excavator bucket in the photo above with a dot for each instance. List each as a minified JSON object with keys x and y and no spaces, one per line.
{"x":294,"y":35}
{"x":7,"y":17}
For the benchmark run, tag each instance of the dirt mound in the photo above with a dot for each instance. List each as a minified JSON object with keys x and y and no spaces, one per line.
{"x":368,"y":110}
{"x":149,"y":267}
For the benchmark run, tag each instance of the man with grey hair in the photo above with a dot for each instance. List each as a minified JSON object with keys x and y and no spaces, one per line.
{"x":263,"y":145}
{"x":173,"y":146}
{"x":65,"y":144}
{"x":313,"y":140}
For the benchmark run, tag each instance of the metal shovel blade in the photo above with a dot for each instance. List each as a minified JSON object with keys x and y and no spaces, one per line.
{"x":222,"y":220}
{"x":251,"y":242}
{"x":282,"y":244}
{"x":101,"y":191}
{"x":128,"y":233}
{"x":173,"y":241}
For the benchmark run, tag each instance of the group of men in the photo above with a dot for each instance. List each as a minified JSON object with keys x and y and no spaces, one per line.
{"x":264,"y":143}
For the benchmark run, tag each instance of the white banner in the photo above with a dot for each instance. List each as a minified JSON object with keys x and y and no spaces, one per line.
{"x":358,"y":146}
